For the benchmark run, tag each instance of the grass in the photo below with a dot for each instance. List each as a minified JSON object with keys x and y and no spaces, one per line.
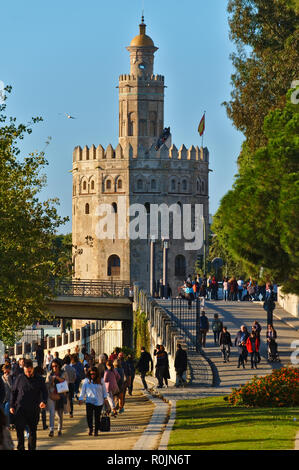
{"x":213,"y":424}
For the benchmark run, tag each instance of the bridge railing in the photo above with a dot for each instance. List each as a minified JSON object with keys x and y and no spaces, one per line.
{"x":90,"y":288}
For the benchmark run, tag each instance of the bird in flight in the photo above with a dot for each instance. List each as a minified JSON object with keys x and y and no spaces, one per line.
{"x":68,"y":116}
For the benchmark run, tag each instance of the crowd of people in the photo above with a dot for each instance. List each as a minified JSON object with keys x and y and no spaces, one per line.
{"x":247,"y":342}
{"x":233,"y":289}
{"x":47,"y":391}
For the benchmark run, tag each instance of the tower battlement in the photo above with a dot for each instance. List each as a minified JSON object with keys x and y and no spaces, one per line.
{"x":128,"y":152}
{"x":142,"y":78}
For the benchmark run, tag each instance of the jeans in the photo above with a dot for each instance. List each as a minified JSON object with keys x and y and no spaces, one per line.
{"x":93,"y":411}
{"x":253,"y":359}
{"x":202,"y":337}
{"x":142,"y":375}
{"x":216,"y":337}
{"x":180,"y":378}
{"x":71,"y":397}
{"x":225,"y":295}
{"x":225,"y":351}
{"x":52,"y":412}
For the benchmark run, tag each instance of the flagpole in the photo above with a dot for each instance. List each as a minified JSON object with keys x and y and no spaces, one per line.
{"x":203,"y":132}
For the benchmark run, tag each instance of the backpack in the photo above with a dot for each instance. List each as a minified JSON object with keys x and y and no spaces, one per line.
{"x":217,"y":325}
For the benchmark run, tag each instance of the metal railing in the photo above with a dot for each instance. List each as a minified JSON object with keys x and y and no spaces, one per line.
{"x":90,"y":288}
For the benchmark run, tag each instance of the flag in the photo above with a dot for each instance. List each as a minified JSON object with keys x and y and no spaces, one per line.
{"x":201,"y":127}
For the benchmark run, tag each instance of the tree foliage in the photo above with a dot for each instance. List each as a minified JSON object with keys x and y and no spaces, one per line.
{"x":27,"y":227}
{"x":266,"y":35}
{"x":257,"y":221}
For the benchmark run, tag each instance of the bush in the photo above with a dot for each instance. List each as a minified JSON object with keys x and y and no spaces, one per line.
{"x":281,"y":388}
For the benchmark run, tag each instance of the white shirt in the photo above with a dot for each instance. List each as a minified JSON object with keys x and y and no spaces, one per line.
{"x":95,"y":393}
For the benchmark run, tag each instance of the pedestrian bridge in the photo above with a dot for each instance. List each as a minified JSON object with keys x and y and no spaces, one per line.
{"x":91,"y":300}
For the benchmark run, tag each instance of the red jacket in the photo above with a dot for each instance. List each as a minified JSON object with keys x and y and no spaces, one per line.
{"x":249,"y":345}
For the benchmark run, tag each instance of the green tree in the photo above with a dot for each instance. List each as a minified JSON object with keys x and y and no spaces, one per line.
{"x":266,"y":35}
{"x":27,"y":226}
{"x":257,"y":221}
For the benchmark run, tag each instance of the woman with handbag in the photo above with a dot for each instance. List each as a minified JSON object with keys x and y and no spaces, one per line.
{"x":94,"y":390}
{"x":111,"y":377}
{"x":56,"y":401}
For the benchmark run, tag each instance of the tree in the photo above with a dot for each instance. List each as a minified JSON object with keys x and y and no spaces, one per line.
{"x":257,"y":221}
{"x":27,"y":226}
{"x":266,"y":34}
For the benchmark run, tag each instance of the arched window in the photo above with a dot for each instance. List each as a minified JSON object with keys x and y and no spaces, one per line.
{"x":108,"y":184}
{"x":114,"y":207}
{"x":92,"y":185}
{"x":184,"y":185}
{"x":198,"y":186}
{"x":173,"y":185}
{"x":203,"y":187}
{"x":113,"y":266}
{"x":180,"y":266}
{"x":142,"y":127}
{"x":119,"y":184}
{"x":86,"y":208}
{"x":139,"y":185}
{"x":84,"y":185}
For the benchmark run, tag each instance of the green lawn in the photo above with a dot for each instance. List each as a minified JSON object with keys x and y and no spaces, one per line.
{"x":213,"y":424}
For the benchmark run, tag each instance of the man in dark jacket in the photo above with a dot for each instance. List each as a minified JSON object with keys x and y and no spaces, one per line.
{"x":29,"y":395}
{"x":162,"y":367}
{"x":143,"y":365}
{"x":180,"y":365}
{"x":203,"y":328}
{"x":225,"y":343}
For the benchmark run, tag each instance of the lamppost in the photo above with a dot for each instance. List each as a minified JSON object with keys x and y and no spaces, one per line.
{"x":152,"y":265}
{"x":165,"y":248}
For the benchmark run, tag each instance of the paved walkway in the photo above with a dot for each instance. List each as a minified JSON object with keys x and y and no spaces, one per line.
{"x":143,"y":425}
{"x":126,"y":430}
{"x":227,"y":375}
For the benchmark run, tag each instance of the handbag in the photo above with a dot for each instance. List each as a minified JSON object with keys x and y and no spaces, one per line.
{"x":104,"y":423}
{"x":62,"y":387}
{"x":54,"y":396}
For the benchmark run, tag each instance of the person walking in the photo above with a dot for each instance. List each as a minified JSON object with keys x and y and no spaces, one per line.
{"x":93,"y":388}
{"x":39,"y":355}
{"x":144,"y":365}
{"x":71,"y":377}
{"x":217,"y":326}
{"x":56,"y":401}
{"x":269,"y":304}
{"x":225,"y":343}
{"x":162,"y":367}
{"x":225,"y":289}
{"x":80,"y":374}
{"x":111,"y":379}
{"x":102,"y":364}
{"x":29,"y":395}
{"x":6,"y":442}
{"x":122,"y":384}
{"x":203,"y":328}
{"x":240,"y":283}
{"x":180,"y":365}
{"x":48,"y":359}
{"x":271,"y":337}
{"x":252,"y":345}
{"x":240,"y":342}
{"x":7,"y":382}
{"x":40,"y":371}
{"x":132,"y":369}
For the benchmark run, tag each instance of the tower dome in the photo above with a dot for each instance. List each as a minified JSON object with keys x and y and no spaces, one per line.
{"x":142,"y":40}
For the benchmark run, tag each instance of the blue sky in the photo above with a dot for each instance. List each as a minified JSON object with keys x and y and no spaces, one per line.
{"x":66,"y":56}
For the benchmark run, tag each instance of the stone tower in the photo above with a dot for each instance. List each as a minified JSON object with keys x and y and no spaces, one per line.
{"x":136,"y":173}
